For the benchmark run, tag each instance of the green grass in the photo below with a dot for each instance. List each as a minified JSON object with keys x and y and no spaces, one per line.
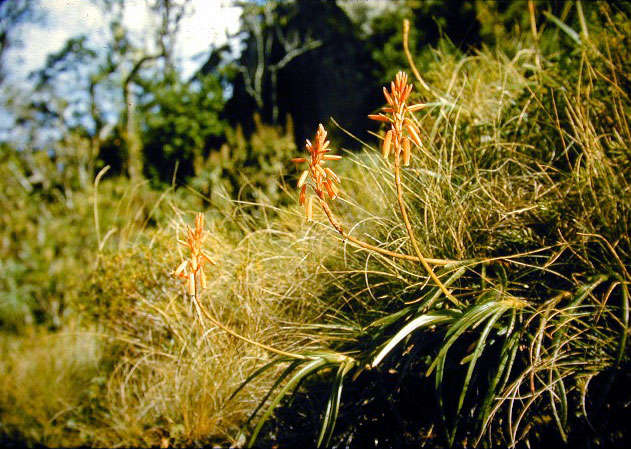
{"x":523,"y":179}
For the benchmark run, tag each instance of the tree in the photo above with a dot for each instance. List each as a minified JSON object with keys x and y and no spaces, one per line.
{"x":171,"y":13}
{"x":65,"y":99}
{"x":266,"y":28}
{"x":129,"y":90}
{"x":179,"y":120}
{"x":301,"y":58}
{"x":129,"y":60}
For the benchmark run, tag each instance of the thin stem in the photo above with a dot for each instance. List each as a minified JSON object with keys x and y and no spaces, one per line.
{"x":408,"y":227}
{"x":370,"y":247}
{"x":406,"y":49}
{"x":338,"y":227}
{"x":202,"y":309}
{"x":96,"y":205}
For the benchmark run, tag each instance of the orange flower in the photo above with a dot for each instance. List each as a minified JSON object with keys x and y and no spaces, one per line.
{"x":402,"y":129}
{"x":191,"y":270}
{"x":321,"y":179}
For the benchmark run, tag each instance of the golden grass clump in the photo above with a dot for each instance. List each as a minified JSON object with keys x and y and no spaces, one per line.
{"x":177,"y":361}
{"x":50,"y":382}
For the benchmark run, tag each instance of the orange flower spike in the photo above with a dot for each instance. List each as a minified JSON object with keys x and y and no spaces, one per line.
{"x":194,"y":264}
{"x":330,"y":189}
{"x":379,"y":117}
{"x":179,"y":271}
{"x":303,"y":178}
{"x":388,"y":98}
{"x":416,"y":107}
{"x":331,"y":175}
{"x":334,"y":190}
{"x":319,"y":178}
{"x":406,"y":152}
{"x":207,"y":258}
{"x":191,"y":270}
{"x":309,"y":209}
{"x":303,"y":195}
{"x":402,"y":130}
{"x":203,"y":279}
{"x":412,"y":131}
{"x":191,"y":284}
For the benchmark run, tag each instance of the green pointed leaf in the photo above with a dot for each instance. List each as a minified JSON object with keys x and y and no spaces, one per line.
{"x":476,"y":355}
{"x":278,"y":381}
{"x":556,"y":380}
{"x":332,"y":409}
{"x":510,"y":342}
{"x":569,"y":31}
{"x":474,"y":316}
{"x":309,"y":368}
{"x":415,"y":324}
{"x":257,"y":373}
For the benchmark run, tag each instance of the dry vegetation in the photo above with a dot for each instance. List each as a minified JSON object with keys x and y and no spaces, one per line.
{"x":519,"y":185}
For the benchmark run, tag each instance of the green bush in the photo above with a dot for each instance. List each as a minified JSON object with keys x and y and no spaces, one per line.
{"x":250,"y":170}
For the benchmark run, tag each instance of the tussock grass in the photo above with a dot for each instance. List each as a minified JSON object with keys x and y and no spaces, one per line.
{"x":50,"y":383}
{"x":174,"y":374}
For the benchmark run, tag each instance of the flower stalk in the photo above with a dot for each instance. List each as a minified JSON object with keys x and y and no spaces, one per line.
{"x":324,"y":186}
{"x":191,"y":271}
{"x":398,"y":140}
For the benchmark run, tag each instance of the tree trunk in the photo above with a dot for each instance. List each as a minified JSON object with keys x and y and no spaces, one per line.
{"x":132,"y":139}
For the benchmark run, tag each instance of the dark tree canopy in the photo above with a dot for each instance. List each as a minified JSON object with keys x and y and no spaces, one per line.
{"x":316,"y":59}
{"x":314,"y":67}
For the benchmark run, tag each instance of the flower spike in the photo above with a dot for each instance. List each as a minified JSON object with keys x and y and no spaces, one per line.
{"x":322,"y":180}
{"x":191,"y":270}
{"x":402,"y":129}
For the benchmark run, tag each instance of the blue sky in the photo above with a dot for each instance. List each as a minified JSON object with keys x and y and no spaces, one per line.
{"x":207,"y":24}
